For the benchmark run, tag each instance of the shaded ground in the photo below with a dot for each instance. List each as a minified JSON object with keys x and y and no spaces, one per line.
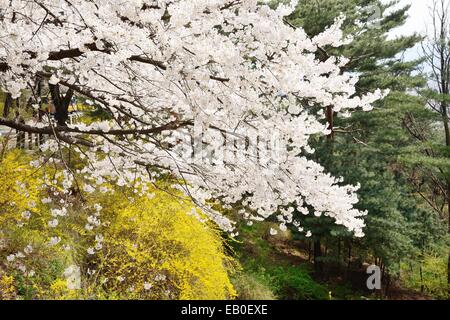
{"x":399,"y":293}
{"x":294,"y":253}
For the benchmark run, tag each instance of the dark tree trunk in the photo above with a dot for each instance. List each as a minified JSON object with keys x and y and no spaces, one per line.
{"x":8,"y":105}
{"x":309,"y":250}
{"x":318,"y":265}
{"x":339,"y":249}
{"x":349,"y":256}
{"x":61,"y":104}
{"x":330,"y":120}
{"x":421,"y":279}
{"x":388,"y":285}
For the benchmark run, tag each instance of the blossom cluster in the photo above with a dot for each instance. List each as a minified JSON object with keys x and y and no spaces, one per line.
{"x":220,"y":72}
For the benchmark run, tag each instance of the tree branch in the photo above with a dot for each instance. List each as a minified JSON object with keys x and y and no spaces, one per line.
{"x":117,"y":132}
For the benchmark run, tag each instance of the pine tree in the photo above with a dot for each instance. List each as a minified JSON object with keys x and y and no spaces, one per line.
{"x":367,"y":148}
{"x":432,"y":169}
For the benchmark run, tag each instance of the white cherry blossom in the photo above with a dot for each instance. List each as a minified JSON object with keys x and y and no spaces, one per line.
{"x":215,"y":93}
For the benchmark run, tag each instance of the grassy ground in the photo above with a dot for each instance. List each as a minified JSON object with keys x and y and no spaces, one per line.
{"x":278,"y":267}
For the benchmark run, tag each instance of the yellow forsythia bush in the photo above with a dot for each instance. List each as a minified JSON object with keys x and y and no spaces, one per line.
{"x":27,"y":262}
{"x":7,"y":289}
{"x":147,"y":246}
{"x":156,"y":248}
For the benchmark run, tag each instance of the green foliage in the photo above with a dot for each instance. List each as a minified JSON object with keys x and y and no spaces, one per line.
{"x":374,"y":149}
{"x":264,"y":265}
{"x":251,"y":286}
{"x":295,"y":283}
{"x":146,"y":239}
{"x":287,"y":282}
{"x":7,"y":287}
{"x":150,"y":247}
{"x":366,"y":150}
{"x":2,"y":101}
{"x":432,"y":278}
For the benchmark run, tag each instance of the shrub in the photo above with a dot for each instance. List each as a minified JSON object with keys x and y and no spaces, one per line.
{"x":7,"y":289}
{"x":434,"y":273}
{"x":250,"y":287}
{"x":156,"y":248}
{"x":121,"y":245}
{"x":295,"y":283}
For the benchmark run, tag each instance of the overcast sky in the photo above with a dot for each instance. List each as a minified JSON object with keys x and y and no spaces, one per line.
{"x":419,"y":16}
{"x":419,"y":19}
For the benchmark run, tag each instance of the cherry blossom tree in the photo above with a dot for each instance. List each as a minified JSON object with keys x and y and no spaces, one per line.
{"x":218,"y":94}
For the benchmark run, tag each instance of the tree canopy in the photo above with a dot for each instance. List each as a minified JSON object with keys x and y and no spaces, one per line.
{"x":199,"y":90}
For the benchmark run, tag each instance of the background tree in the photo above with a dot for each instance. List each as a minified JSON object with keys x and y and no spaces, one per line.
{"x":430,"y":172}
{"x":371,"y":150}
